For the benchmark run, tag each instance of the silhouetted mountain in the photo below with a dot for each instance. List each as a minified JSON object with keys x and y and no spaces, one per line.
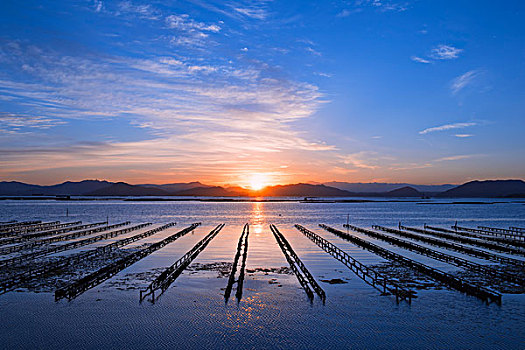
{"x":93,"y":188}
{"x":495,"y":188}
{"x":489,"y":188}
{"x":239,"y":191}
{"x":377,"y":187}
{"x":124,"y":189}
{"x":406,"y":191}
{"x":77,"y":188}
{"x":177,"y":187}
{"x":302,"y":190}
{"x":14,"y":188}
{"x":215,"y":191}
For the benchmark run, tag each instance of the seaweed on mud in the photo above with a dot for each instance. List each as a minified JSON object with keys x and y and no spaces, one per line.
{"x":131,"y":281}
{"x":412,"y":279}
{"x":60,"y":277}
{"x":334,"y":281}
{"x":283,"y":270}
{"x":490,"y":282}
{"x":223,"y":268}
{"x":406,"y":277}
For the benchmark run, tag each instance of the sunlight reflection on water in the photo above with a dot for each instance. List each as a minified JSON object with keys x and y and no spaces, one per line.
{"x":257,"y":217}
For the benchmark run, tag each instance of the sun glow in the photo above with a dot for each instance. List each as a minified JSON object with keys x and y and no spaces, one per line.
{"x":258,"y":181}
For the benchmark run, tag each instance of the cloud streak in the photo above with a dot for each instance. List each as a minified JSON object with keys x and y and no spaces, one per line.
{"x":446,"y":127}
{"x":439,"y":53}
{"x":456,"y":157}
{"x":384,"y":5}
{"x":445,"y":52}
{"x":419,"y":59}
{"x":462,"y":81}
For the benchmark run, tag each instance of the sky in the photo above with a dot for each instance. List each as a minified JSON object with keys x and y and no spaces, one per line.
{"x":262,"y":92}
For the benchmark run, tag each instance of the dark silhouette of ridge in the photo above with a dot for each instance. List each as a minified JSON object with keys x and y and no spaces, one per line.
{"x":77,"y":188}
{"x":124,"y":189}
{"x":487,"y":188}
{"x":14,"y":188}
{"x":177,"y":187}
{"x":215,"y":191}
{"x":302,"y":190}
{"x":380,"y":187}
{"x":406,"y":191}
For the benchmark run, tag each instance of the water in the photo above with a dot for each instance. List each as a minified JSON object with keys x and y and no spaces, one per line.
{"x":274,"y":312}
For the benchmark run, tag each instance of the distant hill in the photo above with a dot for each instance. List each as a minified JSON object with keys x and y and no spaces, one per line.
{"x":94,"y":188}
{"x":488,"y":188}
{"x":406,"y":191}
{"x":124,"y":189}
{"x":215,"y":191}
{"x":302,"y":190}
{"x":13,"y":188}
{"x":77,"y":188}
{"x":240,"y":191}
{"x":177,"y":187}
{"x":378,"y":187}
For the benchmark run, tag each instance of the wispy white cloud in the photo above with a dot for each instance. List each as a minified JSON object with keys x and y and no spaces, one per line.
{"x":445,"y":52}
{"x":384,"y":5}
{"x":11,"y":123}
{"x":440,"y":52}
{"x":189,"y":31}
{"x":313,"y":51}
{"x":463,"y":135}
{"x":459,"y":83}
{"x":98,"y":5}
{"x":456,"y":157}
{"x":257,"y":13}
{"x":411,"y":166}
{"x":434,"y":163}
{"x":142,"y":10}
{"x":447,"y":127}
{"x":380,"y":5}
{"x":185,"y":23}
{"x":242,"y":10}
{"x":344,"y":13}
{"x":419,"y":59}
{"x":362,"y":160}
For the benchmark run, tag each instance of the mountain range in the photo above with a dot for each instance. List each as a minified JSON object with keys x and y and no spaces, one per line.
{"x":495,"y":188}
{"x":487,"y":188}
{"x":376,"y":187}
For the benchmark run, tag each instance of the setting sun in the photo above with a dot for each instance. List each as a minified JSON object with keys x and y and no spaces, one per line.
{"x":258,"y":181}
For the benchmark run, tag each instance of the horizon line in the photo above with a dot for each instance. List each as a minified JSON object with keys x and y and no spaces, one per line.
{"x":265,"y":186}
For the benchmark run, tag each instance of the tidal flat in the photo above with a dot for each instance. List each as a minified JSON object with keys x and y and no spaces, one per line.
{"x":273,"y":309}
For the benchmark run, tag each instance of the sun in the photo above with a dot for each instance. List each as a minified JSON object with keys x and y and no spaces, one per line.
{"x":258,"y":181}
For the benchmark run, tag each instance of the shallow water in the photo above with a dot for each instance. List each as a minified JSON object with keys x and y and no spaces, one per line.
{"x":274,"y":311}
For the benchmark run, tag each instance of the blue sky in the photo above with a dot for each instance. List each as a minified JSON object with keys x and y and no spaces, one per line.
{"x":286,"y":91}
